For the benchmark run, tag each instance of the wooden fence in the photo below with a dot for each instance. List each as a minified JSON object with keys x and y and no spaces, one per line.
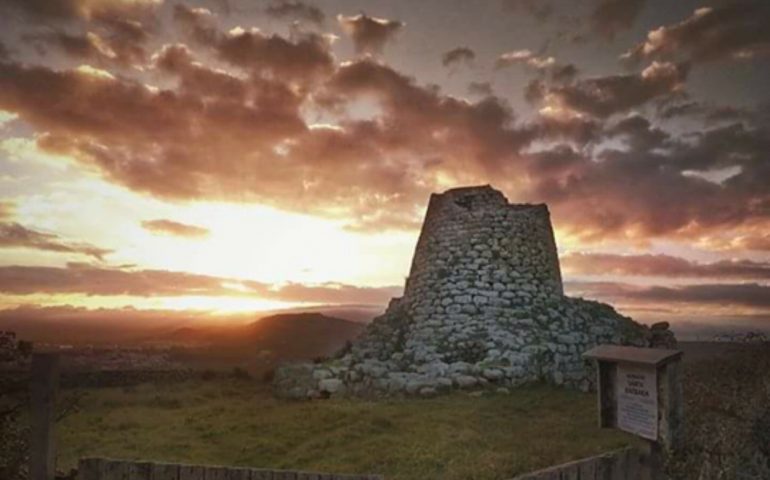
{"x":108,"y":469}
{"x":625,"y":464}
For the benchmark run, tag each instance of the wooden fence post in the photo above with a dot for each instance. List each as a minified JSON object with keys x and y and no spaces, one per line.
{"x":44,"y":384}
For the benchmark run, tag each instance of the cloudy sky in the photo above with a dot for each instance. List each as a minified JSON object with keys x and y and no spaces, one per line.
{"x":234,"y":155}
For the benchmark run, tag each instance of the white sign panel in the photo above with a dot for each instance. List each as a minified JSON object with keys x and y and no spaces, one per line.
{"x":637,"y":395}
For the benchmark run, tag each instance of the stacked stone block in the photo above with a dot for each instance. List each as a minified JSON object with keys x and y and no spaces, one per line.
{"x":483,"y":306}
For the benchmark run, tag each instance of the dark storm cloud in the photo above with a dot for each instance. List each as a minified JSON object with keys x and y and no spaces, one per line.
{"x":304,"y":57}
{"x":564,"y":73}
{"x":369,"y":34}
{"x":712,"y":113}
{"x":202,"y":82}
{"x":541,"y":10}
{"x":67,"y":10}
{"x":736,"y":30}
{"x":606,"y":17}
{"x":738,"y":145}
{"x":558,"y":162}
{"x":535,"y":91}
{"x":198,"y":23}
{"x":307,"y":57}
{"x":483,"y":132}
{"x":662,"y":266}
{"x":295,"y":10}
{"x":109,"y":31}
{"x":643,"y":191}
{"x":667,"y":110}
{"x":13,"y":235}
{"x":582,"y":131}
{"x":638,"y":133}
{"x":458,"y":55}
{"x":170,"y":227}
{"x":483,"y":89}
{"x":609,"y":95}
{"x":612,"y":16}
{"x":92,"y":47}
{"x":89,"y":280}
{"x":81,"y":46}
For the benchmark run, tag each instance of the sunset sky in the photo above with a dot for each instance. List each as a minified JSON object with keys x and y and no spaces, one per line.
{"x":234,"y":156}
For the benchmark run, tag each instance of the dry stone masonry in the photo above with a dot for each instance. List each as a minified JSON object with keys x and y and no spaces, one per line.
{"x":483,"y":306}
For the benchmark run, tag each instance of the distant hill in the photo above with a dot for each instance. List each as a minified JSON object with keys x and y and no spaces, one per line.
{"x":239,"y":340}
{"x":283,"y":336}
{"x":78,"y":326}
{"x":303,"y":335}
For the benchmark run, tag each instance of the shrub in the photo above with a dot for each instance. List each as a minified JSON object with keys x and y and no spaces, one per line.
{"x":268,"y":376}
{"x":241,"y":374}
{"x":347,"y":348}
{"x":13,"y":434}
{"x":727,"y":418}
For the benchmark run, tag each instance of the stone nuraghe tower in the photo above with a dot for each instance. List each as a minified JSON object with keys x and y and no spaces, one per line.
{"x":483,"y":306}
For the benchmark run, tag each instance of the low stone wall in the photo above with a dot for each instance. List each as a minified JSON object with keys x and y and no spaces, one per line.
{"x":108,"y":469}
{"x":625,"y":464}
{"x":398,"y":356}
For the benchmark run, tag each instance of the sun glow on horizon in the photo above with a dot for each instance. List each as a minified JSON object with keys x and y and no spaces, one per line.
{"x":215,"y":305}
{"x":245,"y":241}
{"x":222,"y":305}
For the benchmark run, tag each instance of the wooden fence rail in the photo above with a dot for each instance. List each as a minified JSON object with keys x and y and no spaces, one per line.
{"x":108,"y":469}
{"x":625,"y":464}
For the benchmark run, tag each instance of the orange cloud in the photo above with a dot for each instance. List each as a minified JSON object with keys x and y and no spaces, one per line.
{"x":13,"y":235}
{"x":122,"y":43}
{"x":78,"y":278}
{"x":244,"y":134}
{"x":662,"y":265}
{"x":6,"y":210}
{"x":750,"y":295}
{"x":174,"y":228}
{"x":306,"y":58}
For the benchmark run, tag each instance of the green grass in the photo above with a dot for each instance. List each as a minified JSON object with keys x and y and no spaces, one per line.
{"x":238,"y":423}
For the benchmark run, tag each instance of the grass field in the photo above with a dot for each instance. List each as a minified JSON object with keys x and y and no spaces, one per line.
{"x":237,"y":422}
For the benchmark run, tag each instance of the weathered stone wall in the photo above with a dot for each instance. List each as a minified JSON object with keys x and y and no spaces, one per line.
{"x":474,"y":242}
{"x":483,"y":306}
